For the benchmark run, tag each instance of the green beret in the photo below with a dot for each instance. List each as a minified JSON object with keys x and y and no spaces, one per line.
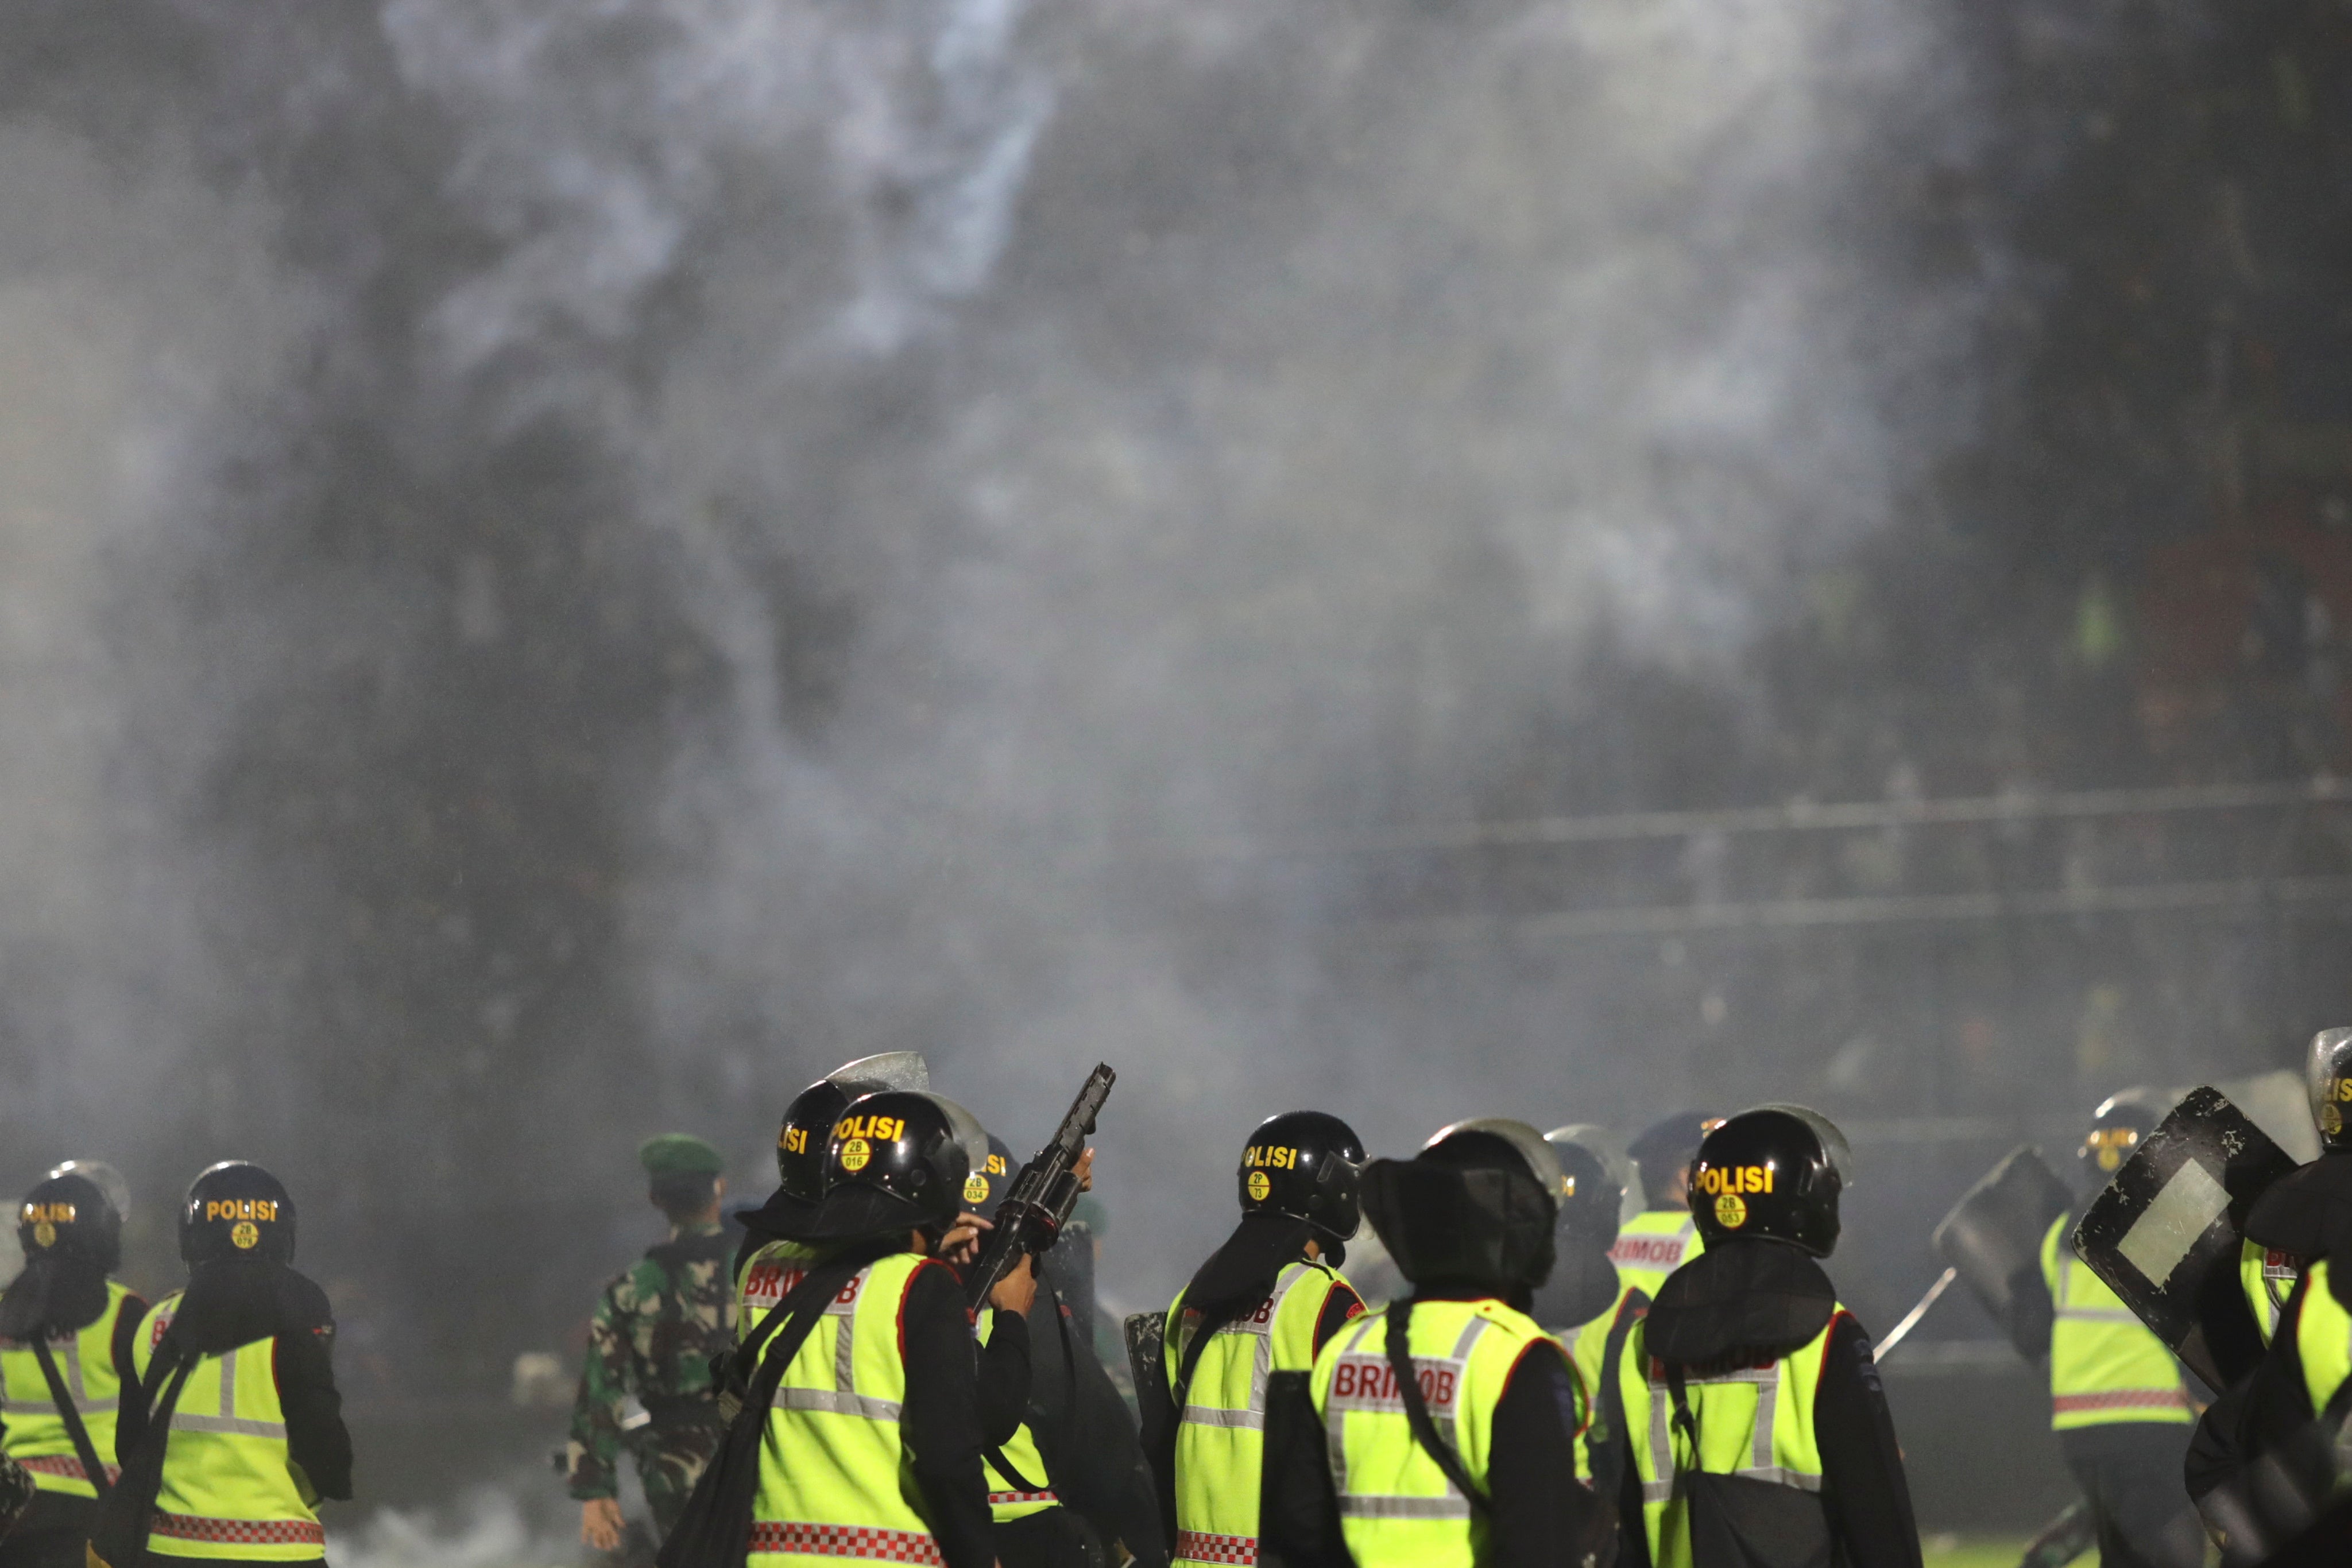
{"x":680,"y":1153}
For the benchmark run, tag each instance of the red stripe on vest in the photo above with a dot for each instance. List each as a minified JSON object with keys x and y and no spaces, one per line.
{"x":68,"y":1465}
{"x":238,"y":1531}
{"x":995,"y":1497}
{"x":1198,"y":1546}
{"x":845,"y":1540}
{"x":2121,"y":1399}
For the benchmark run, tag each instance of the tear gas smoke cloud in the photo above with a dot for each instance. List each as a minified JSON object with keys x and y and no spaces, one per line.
{"x":575,"y":565}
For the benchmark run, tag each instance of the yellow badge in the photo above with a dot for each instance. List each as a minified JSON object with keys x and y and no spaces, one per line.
{"x":855,"y":1153}
{"x":44,"y":1234}
{"x":1731,"y":1211}
{"x":245,"y":1235}
{"x":2331,"y":1120}
{"x":975,"y":1189}
{"x":1259,"y":1185}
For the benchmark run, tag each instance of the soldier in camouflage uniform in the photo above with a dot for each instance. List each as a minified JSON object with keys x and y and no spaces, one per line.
{"x":653,"y":1334}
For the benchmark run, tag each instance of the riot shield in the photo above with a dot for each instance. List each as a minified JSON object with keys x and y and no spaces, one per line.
{"x":1994,"y":1237}
{"x":2164,"y":1233}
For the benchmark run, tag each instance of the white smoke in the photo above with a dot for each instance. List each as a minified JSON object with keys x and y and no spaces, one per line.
{"x":1071,"y":433}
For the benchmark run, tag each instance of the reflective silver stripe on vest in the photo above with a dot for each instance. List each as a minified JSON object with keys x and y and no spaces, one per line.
{"x":2085,"y":1314}
{"x":1761,"y":1466}
{"x":67,"y":1351}
{"x":1261,"y":1365}
{"x":226,"y":1421}
{"x":1383,"y":1505}
{"x":1455,"y":1506}
{"x":843,"y":1399}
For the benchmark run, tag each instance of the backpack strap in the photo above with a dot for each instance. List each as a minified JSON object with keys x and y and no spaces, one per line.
{"x":1416,"y":1406}
{"x":84,"y":1449}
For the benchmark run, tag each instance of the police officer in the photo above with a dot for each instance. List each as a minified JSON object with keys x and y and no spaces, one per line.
{"x":2286,"y":1223}
{"x":2117,"y":1398}
{"x":1582,"y":1302}
{"x":1753,"y":1404}
{"x":1037,"y":1525}
{"x":773,"y":1240}
{"x":2265,"y":1457}
{"x":873,"y":1439}
{"x":1662,"y":1237}
{"x":653,"y":1333}
{"x":65,"y":1333}
{"x":1264,"y":1302}
{"x":236,"y":1388}
{"x":1450,"y":1415}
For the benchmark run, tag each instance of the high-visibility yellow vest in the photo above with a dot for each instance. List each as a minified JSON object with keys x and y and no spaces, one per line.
{"x":766,"y":1277}
{"x":1006,"y":1497}
{"x":834,"y":1477}
{"x":2267,"y":1276}
{"x":36,"y":1436}
{"x":2105,"y":1366}
{"x":1587,"y":1348}
{"x":1397,"y":1509}
{"x":229,"y":1485}
{"x":1755,"y":1422}
{"x":2323,"y":1338}
{"x":1650,"y":1246}
{"x":1221,"y":1433}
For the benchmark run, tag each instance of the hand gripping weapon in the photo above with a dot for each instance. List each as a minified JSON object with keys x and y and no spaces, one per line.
{"x":1039,"y":1202}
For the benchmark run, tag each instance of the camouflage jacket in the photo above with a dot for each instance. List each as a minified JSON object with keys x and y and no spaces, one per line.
{"x":653,"y":1334}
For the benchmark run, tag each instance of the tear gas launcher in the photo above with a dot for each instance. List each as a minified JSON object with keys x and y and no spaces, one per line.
{"x":1039,"y":1202}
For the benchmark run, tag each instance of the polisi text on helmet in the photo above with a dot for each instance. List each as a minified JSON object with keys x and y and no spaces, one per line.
{"x":1717,"y":1180}
{"x":881,"y":1129}
{"x":263,"y":1208}
{"x":49,"y":1214}
{"x":1265,"y":1158}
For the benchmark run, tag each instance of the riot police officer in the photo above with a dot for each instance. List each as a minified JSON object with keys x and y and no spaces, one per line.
{"x":1753,"y":1404}
{"x":65,"y":1333}
{"x":1450,"y":1415}
{"x":1264,"y":1302}
{"x":772,"y":1245}
{"x":1582,"y":1302}
{"x":2264,"y":1457}
{"x":873,"y":1433}
{"x":2118,"y":1400}
{"x":1663,"y":1236}
{"x":235,"y":1390}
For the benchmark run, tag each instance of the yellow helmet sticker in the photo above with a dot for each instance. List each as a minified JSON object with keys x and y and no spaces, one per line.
{"x":975,"y":1189}
{"x":1731,"y":1211}
{"x":855,"y":1153}
{"x":44,"y":1234}
{"x":1259,"y":1185}
{"x":2331,"y":1120}
{"x":245,"y":1234}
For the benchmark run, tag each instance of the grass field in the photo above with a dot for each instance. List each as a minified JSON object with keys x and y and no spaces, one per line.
{"x":1971,"y":1551}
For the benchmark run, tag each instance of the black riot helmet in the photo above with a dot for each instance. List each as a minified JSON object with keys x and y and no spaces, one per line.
{"x":71,"y":1216}
{"x":1665,"y":1150}
{"x":1773,"y":1172}
{"x":808,"y":1120}
{"x":237,"y":1210}
{"x":1475,"y":1206}
{"x":897,"y":1161}
{"x":986,"y":1187}
{"x":1594,"y":1198}
{"x":2327,"y":1076}
{"x":1308,"y":1166}
{"x":2117,"y":1127}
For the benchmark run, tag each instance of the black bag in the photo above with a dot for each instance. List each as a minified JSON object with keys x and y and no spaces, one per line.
{"x":1740,"y":1522}
{"x":119,"y":1537}
{"x":715,"y":1530}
